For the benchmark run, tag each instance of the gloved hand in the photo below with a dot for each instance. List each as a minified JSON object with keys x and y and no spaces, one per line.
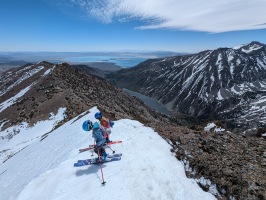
{"x":111,"y":123}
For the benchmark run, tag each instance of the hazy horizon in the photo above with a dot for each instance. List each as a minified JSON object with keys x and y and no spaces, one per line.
{"x":121,"y":59}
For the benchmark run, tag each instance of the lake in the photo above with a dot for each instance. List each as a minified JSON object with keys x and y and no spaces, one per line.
{"x":150,"y":102}
{"x":120,"y":61}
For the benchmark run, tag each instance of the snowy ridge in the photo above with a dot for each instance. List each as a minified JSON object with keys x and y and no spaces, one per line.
{"x":189,"y":83}
{"x":251,"y":48}
{"x":147,"y":169}
{"x":16,"y":138}
{"x":22,"y":75}
{"x":14,"y":99}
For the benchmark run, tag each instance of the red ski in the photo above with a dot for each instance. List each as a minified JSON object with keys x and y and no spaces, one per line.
{"x":85,"y":149}
{"x":114,"y":142}
{"x":92,"y":146}
{"x":109,"y":143}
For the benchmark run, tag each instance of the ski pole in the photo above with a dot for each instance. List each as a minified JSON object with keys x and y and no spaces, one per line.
{"x":93,"y":149}
{"x":101,"y":167}
{"x":111,"y":149}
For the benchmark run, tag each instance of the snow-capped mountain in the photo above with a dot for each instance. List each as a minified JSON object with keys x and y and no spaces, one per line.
{"x":200,"y":84}
{"x":35,"y":93}
{"x":32,"y":92}
{"x":42,"y":107}
{"x":44,"y":169}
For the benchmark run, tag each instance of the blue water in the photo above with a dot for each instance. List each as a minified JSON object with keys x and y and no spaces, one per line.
{"x":150,"y":102}
{"x":120,"y":61}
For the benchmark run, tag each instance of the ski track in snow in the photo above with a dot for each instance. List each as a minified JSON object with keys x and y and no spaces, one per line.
{"x":148,"y":170}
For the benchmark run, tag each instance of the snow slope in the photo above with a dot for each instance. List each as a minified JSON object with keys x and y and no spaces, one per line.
{"x":16,"y":138}
{"x":44,"y":170}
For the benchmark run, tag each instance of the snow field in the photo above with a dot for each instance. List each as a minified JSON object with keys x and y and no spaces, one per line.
{"x":147,"y":169}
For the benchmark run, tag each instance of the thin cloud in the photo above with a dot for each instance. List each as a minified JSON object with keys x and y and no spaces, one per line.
{"x":196,"y":15}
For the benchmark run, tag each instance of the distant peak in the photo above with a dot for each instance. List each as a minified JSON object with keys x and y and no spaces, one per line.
{"x":250,"y":47}
{"x":256,"y":43}
{"x":253,"y":43}
{"x":239,"y":46}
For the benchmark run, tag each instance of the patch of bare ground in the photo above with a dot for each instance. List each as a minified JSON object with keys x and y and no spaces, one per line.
{"x":235,"y":163}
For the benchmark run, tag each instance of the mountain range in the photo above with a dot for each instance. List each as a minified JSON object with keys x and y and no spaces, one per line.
{"x":235,"y":162}
{"x":226,"y":84}
{"x":45,"y":87}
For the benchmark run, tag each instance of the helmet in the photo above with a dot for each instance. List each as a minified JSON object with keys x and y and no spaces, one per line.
{"x":87,"y":125}
{"x":96,"y":125}
{"x":98,"y":115}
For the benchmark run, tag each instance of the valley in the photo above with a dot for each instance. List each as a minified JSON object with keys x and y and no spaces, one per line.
{"x":232,"y":159}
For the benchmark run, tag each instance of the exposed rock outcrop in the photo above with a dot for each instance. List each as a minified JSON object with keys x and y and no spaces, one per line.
{"x":235,"y":163}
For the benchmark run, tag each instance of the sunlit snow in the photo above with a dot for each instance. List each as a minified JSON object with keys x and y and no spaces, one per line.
{"x":148,"y":170}
{"x":252,"y":48}
{"x":213,"y":126}
{"x":13,"y":99}
{"x":23,"y":77}
{"x":16,"y":138}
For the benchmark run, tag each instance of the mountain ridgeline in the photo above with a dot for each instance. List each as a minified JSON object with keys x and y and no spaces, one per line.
{"x":34,"y":92}
{"x":48,"y":87}
{"x":215,"y":84}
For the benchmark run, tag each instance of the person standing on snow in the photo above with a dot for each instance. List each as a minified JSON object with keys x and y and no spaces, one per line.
{"x":100,"y":141}
{"x":106,"y":125}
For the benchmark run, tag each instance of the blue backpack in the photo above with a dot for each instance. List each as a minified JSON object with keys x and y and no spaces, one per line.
{"x":87,"y":125}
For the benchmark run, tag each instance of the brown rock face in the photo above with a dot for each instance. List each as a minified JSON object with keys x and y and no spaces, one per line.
{"x":66,"y":86}
{"x":236,"y":164}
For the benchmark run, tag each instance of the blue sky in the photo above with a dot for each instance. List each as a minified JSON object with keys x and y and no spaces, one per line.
{"x":129,"y":25}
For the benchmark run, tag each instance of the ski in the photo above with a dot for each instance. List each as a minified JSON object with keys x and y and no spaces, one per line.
{"x":92,"y":146}
{"x":114,"y":142}
{"x":81,"y":163}
{"x":108,"y":144}
{"x":115,"y":155}
{"x":85,"y":149}
{"x":109,"y":156}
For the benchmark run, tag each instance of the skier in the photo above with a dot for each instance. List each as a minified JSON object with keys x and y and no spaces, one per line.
{"x":100,"y":141}
{"x":106,"y":125}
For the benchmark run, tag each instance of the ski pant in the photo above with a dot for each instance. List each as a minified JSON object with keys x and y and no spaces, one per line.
{"x":100,"y":149}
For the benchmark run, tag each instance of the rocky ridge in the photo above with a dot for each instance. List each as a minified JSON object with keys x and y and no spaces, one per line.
{"x":235,"y":163}
{"x":213,"y":156}
{"x":210,"y":84}
{"x":53,"y":86}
